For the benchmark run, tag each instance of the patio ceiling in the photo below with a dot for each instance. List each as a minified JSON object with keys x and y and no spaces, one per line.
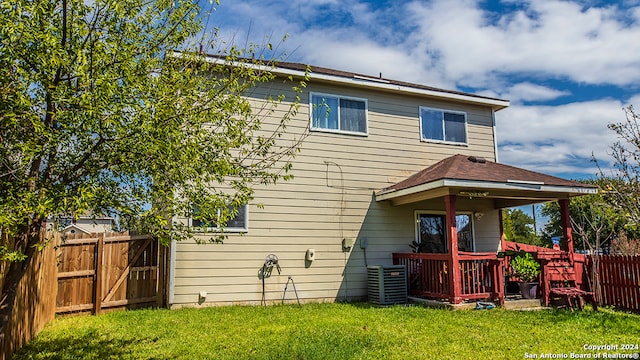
{"x":475,"y":177}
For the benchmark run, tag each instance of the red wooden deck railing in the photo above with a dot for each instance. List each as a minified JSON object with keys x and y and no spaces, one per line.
{"x":427,"y":275}
{"x":481,"y":275}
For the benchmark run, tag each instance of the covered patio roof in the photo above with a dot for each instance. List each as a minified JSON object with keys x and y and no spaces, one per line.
{"x":475,"y":177}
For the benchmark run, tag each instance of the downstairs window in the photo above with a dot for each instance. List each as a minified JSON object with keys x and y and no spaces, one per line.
{"x":238,"y":223}
{"x":431,"y":232}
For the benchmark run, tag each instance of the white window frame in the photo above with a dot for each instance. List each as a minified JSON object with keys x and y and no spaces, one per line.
{"x":417,"y":213}
{"x":226,"y":229}
{"x":339,"y":131}
{"x":443,"y":141}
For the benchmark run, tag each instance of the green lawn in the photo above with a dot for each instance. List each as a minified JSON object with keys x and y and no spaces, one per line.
{"x":330,"y":331}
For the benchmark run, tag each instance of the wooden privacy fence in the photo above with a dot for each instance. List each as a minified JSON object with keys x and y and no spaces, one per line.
{"x":620,"y":281}
{"x":35,"y":304}
{"x":111,"y":270}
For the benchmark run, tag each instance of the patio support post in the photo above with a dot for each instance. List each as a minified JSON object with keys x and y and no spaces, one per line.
{"x":452,"y":238}
{"x":503,"y":243}
{"x":565,"y":221}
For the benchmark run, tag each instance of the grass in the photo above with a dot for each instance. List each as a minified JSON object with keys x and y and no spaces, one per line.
{"x":329,"y":331}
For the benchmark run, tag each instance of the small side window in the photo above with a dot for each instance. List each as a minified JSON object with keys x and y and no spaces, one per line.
{"x":239,"y":222}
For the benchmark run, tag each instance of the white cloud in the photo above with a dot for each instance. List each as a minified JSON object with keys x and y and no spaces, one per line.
{"x":558,"y":138}
{"x":554,"y":38}
{"x":359,"y":54}
{"x":456,"y":40}
{"x":635,"y":101}
{"x":355,"y":38}
{"x":457,"y":44}
{"x":531,"y":92}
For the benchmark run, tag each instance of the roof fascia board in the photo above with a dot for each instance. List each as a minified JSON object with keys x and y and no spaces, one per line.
{"x":359,"y":82}
{"x":495,"y":104}
{"x":387,"y":195}
{"x":363,"y":82}
{"x":483,"y":185}
{"x":520,"y":186}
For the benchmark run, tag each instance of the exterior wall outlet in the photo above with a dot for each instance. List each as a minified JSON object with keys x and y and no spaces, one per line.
{"x":347,"y":244}
{"x":311,"y":254}
{"x":202,"y":296}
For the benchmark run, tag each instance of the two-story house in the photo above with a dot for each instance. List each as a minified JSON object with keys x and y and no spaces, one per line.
{"x":385,"y":163}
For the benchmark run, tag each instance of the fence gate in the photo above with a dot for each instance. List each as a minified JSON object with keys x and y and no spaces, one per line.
{"x":620,"y":281}
{"x":111,"y":270}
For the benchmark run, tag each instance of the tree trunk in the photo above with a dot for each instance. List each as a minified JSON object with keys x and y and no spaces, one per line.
{"x":594,"y":277}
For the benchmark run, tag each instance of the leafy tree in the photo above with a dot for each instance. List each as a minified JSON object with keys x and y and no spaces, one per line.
{"x":595,"y":225}
{"x":622,"y":186}
{"x":518,"y":227}
{"x":593,"y":220}
{"x":98,"y":113}
{"x":624,"y":245}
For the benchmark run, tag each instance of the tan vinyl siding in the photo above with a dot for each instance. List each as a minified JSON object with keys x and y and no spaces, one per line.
{"x":332,"y":198}
{"x":487,"y":232}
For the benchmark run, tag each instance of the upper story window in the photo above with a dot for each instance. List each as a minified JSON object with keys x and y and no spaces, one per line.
{"x":443,"y":125}
{"x":238,"y":223}
{"x":338,"y":114}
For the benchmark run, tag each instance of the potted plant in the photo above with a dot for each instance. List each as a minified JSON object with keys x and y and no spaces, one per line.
{"x":525,"y":267}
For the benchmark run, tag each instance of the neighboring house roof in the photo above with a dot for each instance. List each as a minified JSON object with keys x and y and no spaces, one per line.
{"x":88,"y":223}
{"x":360,"y":80}
{"x":74,"y":228}
{"x":478,"y":177}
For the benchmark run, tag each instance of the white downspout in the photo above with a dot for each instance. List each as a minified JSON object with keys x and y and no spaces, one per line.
{"x":495,"y":135}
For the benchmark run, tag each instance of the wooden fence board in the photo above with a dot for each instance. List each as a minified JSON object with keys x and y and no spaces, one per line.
{"x":126,"y":271}
{"x":620,"y":281}
{"x":97,"y":287}
{"x":108,"y":271}
{"x":35,"y":302}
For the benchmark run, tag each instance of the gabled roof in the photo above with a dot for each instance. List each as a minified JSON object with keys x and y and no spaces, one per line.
{"x":380,"y":80}
{"x":463,"y":174}
{"x":318,"y":73}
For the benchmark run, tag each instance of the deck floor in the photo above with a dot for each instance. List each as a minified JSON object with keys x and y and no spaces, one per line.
{"x":512,"y":302}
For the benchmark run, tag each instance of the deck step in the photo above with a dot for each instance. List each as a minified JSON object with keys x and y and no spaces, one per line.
{"x":523,"y":304}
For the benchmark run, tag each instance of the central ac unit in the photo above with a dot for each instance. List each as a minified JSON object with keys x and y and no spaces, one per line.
{"x":387,"y":284}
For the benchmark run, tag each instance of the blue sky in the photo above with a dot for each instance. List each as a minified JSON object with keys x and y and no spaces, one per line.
{"x":568,"y":67}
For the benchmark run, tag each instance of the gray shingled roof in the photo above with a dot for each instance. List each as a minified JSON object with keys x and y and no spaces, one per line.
{"x":347,"y":75}
{"x":351,"y":75}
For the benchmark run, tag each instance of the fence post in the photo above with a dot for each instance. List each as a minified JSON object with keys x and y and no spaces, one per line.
{"x":97,"y":305}
{"x":160,"y":274}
